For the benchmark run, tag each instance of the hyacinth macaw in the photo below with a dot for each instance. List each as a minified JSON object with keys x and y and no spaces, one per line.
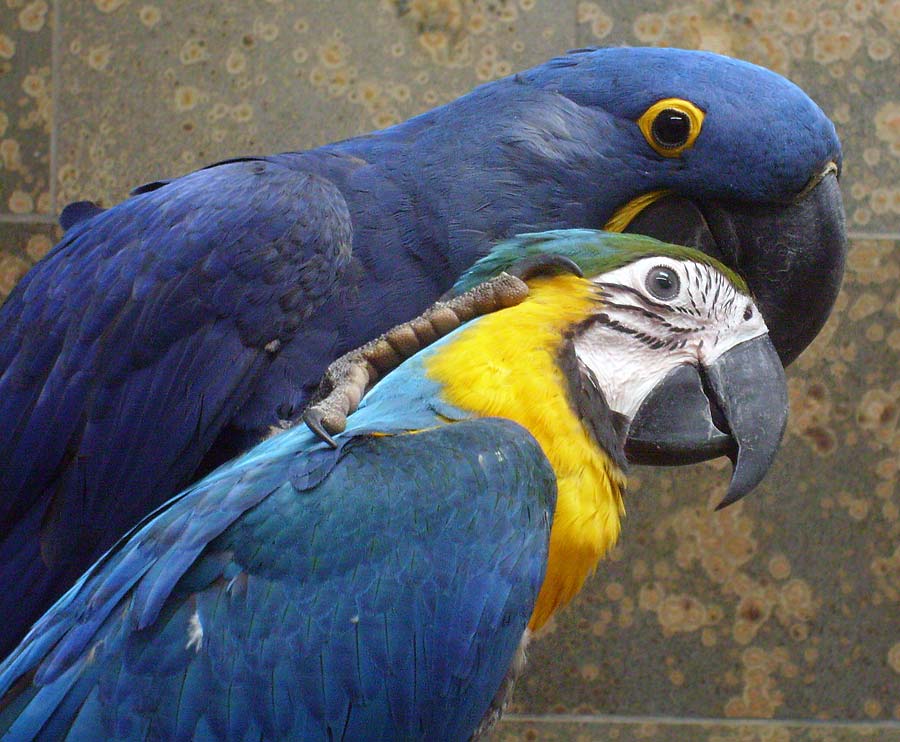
{"x":169,"y":333}
{"x":380,"y":583}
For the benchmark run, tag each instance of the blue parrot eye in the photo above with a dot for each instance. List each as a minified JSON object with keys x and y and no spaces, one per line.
{"x":663,"y":283}
{"x":671,"y":128}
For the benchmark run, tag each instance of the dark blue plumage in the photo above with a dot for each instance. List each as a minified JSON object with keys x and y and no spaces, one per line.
{"x":165,"y":335}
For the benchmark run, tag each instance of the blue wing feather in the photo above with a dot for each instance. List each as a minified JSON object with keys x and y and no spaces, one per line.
{"x":155,"y":329}
{"x":358,"y":607}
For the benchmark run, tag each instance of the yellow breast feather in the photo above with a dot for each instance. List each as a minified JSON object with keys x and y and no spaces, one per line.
{"x":505,"y":365}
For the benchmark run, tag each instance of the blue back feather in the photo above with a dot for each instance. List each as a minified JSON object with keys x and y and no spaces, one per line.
{"x":361,"y":607}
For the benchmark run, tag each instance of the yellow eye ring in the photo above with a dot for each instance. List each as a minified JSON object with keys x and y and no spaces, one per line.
{"x":671,"y":126}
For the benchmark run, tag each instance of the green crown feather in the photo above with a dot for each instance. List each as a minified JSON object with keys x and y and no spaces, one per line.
{"x":594,"y":251}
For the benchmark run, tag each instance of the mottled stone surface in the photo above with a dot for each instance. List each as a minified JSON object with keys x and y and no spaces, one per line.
{"x":785,"y":606}
{"x":26,"y":107}
{"x":21,"y":246}
{"x":156,"y":89}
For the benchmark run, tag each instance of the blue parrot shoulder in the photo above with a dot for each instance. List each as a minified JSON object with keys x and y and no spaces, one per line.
{"x":253,"y":567}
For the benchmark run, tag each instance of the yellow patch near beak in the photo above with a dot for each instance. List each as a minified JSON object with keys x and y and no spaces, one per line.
{"x":622,"y":216}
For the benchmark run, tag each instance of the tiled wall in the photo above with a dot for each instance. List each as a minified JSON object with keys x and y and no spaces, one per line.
{"x":784,"y":608}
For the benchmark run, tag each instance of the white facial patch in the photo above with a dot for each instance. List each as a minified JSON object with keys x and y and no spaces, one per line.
{"x":656,"y":314}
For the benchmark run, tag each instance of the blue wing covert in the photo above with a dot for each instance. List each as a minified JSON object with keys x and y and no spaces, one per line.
{"x":378,"y":591}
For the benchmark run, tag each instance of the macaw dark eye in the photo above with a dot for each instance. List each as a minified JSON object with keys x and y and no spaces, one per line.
{"x":663,"y":283}
{"x":671,"y":128}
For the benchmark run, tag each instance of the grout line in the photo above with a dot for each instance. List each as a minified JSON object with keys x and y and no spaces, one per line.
{"x":575,"y":38}
{"x":697,"y":720}
{"x":873,"y":235}
{"x":56,"y":82}
{"x":27,"y":219}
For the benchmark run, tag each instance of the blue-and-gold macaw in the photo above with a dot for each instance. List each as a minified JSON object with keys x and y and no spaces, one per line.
{"x":380,"y":579}
{"x":167,"y":334}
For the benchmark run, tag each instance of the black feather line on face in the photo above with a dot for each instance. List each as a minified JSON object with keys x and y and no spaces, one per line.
{"x":636,"y":310}
{"x":648,"y":303}
{"x":655,"y":343}
{"x":607,"y":427}
{"x":659,"y":319}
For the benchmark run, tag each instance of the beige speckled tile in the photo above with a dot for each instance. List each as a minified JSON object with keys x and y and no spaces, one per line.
{"x":652,"y":730}
{"x":844,"y":54}
{"x":785,"y":605}
{"x":158,"y":88}
{"x":21,"y":245}
{"x":25,"y":107}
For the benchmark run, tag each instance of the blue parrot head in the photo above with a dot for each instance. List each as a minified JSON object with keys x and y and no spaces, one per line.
{"x":704,"y":124}
{"x":736,"y":406}
{"x":719,"y":154}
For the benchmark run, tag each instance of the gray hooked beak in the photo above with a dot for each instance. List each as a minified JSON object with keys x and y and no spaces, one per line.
{"x":736,"y":407}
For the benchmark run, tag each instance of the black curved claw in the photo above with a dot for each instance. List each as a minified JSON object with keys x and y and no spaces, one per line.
{"x":313,"y":419}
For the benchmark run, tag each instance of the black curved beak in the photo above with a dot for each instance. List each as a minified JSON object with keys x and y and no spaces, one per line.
{"x":737,"y":407}
{"x":791,"y":254}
